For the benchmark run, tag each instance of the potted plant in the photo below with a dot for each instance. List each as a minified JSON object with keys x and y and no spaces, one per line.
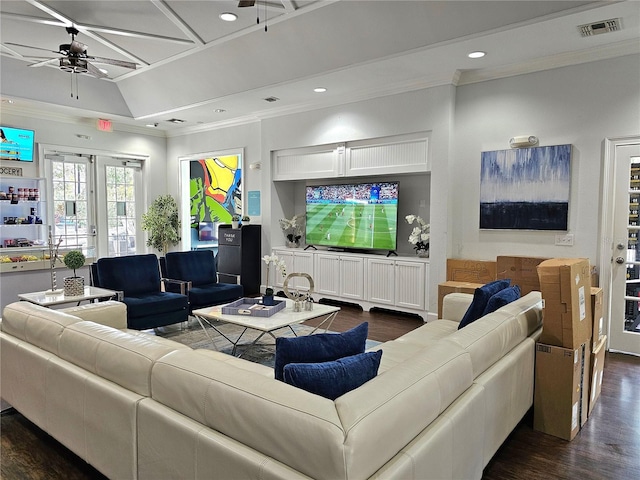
{"x":163,"y":223}
{"x":292,"y":230}
{"x":235,"y":221}
{"x":281,"y":266}
{"x":74,"y":286}
{"x":420,"y":235}
{"x":246,"y":220}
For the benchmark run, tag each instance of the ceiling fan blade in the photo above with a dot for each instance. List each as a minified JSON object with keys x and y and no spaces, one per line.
{"x":95,"y":71}
{"x":246,"y":3}
{"x":111,"y":61}
{"x":29,"y":46}
{"x":44,"y":62}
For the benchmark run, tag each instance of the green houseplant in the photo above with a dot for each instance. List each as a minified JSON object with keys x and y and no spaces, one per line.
{"x":74,"y":286}
{"x":162,"y":221}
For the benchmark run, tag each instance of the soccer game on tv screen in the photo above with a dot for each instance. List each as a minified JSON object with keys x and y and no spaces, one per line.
{"x":359,"y":216}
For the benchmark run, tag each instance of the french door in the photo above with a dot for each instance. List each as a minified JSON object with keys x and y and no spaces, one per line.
{"x":624,"y":258}
{"x":97,"y":202}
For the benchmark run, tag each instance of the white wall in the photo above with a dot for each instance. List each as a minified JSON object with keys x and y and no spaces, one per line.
{"x":63,"y":132}
{"x":579,"y":105}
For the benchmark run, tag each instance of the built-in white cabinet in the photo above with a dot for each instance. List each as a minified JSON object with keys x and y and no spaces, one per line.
{"x":340,"y":276}
{"x":380,"y":156}
{"x":369,"y":280}
{"x":397,"y":283}
{"x":297,"y":261}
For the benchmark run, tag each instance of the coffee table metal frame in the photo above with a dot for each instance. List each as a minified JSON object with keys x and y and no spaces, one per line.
{"x":285,"y":318}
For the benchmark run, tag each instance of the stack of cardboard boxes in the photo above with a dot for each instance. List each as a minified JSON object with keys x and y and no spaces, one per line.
{"x":566,"y":365}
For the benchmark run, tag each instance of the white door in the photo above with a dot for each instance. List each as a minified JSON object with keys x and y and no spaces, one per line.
{"x":624,"y":324}
{"x":119,"y":206}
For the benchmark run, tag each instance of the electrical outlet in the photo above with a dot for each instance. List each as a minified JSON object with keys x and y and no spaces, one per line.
{"x":565,"y":240}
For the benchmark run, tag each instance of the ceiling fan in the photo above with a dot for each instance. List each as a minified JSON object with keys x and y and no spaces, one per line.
{"x":75,"y":58}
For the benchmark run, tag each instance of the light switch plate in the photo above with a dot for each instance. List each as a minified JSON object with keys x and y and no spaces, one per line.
{"x":564,"y":240}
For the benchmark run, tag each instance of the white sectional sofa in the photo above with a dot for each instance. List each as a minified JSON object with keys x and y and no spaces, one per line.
{"x":137,"y":406}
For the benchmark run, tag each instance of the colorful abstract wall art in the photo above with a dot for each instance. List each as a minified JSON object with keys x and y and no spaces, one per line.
{"x":525,"y":188}
{"x":215,"y":188}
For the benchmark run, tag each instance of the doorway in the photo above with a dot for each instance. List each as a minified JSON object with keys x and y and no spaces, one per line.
{"x":620,"y":259}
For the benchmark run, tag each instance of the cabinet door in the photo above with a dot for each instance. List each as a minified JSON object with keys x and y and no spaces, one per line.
{"x":303,"y":263}
{"x":410,"y":287}
{"x":327,"y":270}
{"x":381,"y":281}
{"x":275,"y":277}
{"x":352,"y":277}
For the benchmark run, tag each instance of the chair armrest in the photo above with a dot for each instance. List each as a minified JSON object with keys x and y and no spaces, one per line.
{"x":455,"y":305}
{"x":185,"y":285}
{"x":229,"y":278}
{"x":110,"y":313}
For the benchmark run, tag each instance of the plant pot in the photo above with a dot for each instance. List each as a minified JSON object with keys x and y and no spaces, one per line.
{"x":291,"y":244}
{"x":422,"y":252}
{"x":235,"y":224}
{"x":267,"y":300}
{"x":73,"y":286}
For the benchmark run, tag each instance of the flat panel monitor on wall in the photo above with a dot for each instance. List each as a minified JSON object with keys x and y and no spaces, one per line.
{"x":17,"y":144}
{"x":361,"y":216}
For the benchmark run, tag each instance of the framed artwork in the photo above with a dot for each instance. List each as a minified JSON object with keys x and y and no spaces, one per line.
{"x":525,"y":188}
{"x":211,"y":191}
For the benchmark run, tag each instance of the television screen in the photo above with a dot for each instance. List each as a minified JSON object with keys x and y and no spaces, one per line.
{"x":208,"y":232}
{"x":16,"y":144}
{"x":358,"y":216}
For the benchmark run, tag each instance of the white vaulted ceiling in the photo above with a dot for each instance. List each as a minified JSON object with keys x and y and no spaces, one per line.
{"x":191,"y":63}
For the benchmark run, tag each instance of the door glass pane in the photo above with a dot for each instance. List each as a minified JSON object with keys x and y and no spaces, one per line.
{"x":70,"y":203}
{"x":121,"y":210}
{"x":632,"y":296}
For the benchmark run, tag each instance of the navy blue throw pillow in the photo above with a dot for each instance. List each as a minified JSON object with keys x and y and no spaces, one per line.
{"x":322,"y":347}
{"x":481,"y":297}
{"x":333,"y":379}
{"x":502,"y":298}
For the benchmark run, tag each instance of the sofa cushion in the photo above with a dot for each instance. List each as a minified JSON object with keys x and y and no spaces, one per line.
{"x":502,"y":298}
{"x":203,"y":295}
{"x":481,"y":297}
{"x":322,"y":347}
{"x":144,"y":305}
{"x":333,"y":379}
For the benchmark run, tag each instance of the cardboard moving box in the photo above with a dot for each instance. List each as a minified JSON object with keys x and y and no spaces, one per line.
{"x":596,"y":371}
{"x":596,"y":312}
{"x":561,"y":395}
{"x":446,"y":288}
{"x":565,"y":284}
{"x":475,"y":271}
{"x":521,"y":270}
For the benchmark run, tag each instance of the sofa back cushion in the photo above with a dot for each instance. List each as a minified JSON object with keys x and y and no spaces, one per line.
{"x":132,"y":274}
{"x":492,"y":336}
{"x":197,"y":266}
{"x":37,"y":325}
{"x":113,"y":354}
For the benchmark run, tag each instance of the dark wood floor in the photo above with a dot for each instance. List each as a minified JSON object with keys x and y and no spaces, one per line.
{"x":608,"y":447}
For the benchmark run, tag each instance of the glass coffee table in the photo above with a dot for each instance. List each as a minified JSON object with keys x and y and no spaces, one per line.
{"x":283,"y":319}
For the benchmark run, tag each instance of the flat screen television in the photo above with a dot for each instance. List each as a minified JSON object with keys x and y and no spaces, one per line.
{"x":16,"y":144}
{"x":360,"y":216}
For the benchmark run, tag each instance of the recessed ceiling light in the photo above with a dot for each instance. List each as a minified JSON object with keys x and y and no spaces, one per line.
{"x":477,"y":54}
{"x":7,"y":100}
{"x":219,"y":110}
{"x":228,"y":17}
{"x":104,"y":70}
{"x":320,"y":90}
{"x":152,"y":125}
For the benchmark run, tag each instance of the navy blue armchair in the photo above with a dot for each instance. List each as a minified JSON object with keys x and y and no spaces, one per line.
{"x":198,"y":267}
{"x":138,"y":278}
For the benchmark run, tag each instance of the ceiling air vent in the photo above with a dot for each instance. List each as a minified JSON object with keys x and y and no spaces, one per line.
{"x":597,"y":28}
{"x":175,"y":120}
{"x":271,"y":99}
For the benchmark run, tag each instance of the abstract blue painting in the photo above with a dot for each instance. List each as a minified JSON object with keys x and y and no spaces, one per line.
{"x":525,"y":188}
